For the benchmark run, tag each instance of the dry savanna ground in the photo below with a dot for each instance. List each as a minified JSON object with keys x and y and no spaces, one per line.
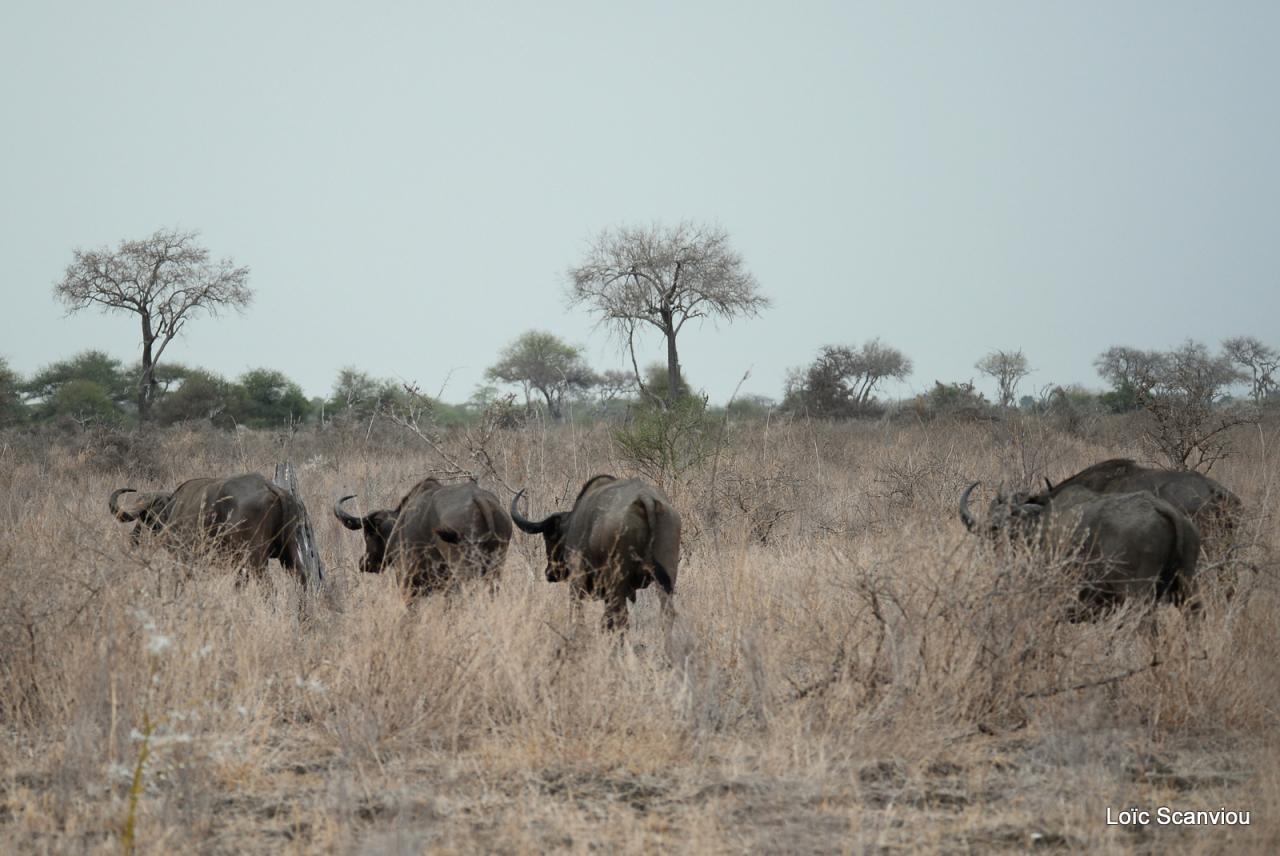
{"x":849,"y":671}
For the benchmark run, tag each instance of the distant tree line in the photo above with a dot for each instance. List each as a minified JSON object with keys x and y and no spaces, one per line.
{"x":94,"y":387}
{"x":842,"y":382}
{"x":633,"y":279}
{"x":552,"y":378}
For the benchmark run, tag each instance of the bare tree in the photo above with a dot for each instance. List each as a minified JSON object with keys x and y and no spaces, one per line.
{"x":165,"y":279}
{"x":663,"y":277}
{"x":873,"y":364}
{"x":1182,"y":393}
{"x":613,"y":384}
{"x":1126,"y":367}
{"x":1185,"y":396}
{"x":1007,"y":368}
{"x":1127,"y":370}
{"x":1260,"y":360}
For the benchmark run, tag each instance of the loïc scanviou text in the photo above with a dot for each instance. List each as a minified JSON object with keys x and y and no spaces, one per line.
{"x":1167,"y":816}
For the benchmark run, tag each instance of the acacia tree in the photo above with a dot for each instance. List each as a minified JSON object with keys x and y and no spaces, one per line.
{"x":359,"y":394}
{"x":541,"y":362}
{"x":1127,"y":370}
{"x":612,"y":384}
{"x":840,"y":382}
{"x":663,"y":277}
{"x":165,"y":279}
{"x":1007,"y":368}
{"x":1260,"y":360}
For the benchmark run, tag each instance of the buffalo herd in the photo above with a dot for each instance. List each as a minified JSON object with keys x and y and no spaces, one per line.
{"x":620,"y":535}
{"x":1134,"y":533}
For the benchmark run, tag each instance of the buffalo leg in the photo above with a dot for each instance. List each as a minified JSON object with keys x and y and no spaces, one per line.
{"x":1150,"y":623}
{"x":253,"y":560}
{"x":615,"y":615}
{"x":575,"y":603}
{"x":491,"y":571}
{"x":668,"y":605}
{"x":259,"y":574}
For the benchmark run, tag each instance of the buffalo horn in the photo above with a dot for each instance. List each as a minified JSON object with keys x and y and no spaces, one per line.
{"x":965,"y":516}
{"x":122,"y":516}
{"x":524,"y":523}
{"x":347,"y":519}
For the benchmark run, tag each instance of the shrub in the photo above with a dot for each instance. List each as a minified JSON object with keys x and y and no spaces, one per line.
{"x":664,"y":444}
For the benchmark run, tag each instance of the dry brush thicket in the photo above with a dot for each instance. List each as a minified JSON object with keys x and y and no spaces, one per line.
{"x":849,"y":669}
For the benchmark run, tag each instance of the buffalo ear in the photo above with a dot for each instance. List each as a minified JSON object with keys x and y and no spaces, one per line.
{"x":448,"y":536}
{"x":380,"y":524}
{"x":150,"y":512}
{"x":141,"y":506}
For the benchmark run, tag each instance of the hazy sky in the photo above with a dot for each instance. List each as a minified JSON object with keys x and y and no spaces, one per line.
{"x":410,"y":181}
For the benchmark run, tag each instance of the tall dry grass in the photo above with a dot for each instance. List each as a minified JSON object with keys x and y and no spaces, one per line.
{"x":849,"y":670}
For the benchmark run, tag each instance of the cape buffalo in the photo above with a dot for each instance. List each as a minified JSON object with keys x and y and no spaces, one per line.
{"x":1212,"y":507}
{"x":619,"y":537}
{"x":244,"y":518}
{"x":436,"y":531}
{"x":1131,"y":545}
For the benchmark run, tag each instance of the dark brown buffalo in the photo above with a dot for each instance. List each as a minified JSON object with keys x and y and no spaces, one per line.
{"x":1129,"y":546}
{"x":619,"y":537}
{"x":434,"y":535}
{"x":1212,"y":507}
{"x":245,"y":518}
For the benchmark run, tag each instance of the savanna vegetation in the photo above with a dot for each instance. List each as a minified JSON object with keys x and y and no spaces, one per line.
{"x":849,"y":668}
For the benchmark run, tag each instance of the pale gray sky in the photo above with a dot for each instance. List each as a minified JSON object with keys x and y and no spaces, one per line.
{"x":411,"y":180}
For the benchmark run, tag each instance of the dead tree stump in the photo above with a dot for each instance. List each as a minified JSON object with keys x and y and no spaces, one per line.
{"x":311,"y":568}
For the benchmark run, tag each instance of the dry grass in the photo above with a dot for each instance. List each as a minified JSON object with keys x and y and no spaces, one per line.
{"x":870,"y":679}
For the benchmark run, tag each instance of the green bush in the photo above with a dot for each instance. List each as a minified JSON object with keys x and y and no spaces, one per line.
{"x":91,"y":384}
{"x":85,"y":402}
{"x":12,"y":409}
{"x":265,"y":398}
{"x":664,"y":444}
{"x":201,"y":395}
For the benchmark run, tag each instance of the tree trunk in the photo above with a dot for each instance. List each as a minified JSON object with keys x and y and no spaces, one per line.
{"x":673,"y":360}
{"x":309,"y":567}
{"x":147,"y":379}
{"x":552,"y":407}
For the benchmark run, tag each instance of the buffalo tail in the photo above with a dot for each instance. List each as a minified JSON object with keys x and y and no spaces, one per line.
{"x":654,"y":514}
{"x":1177,"y":577}
{"x":486,"y":517}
